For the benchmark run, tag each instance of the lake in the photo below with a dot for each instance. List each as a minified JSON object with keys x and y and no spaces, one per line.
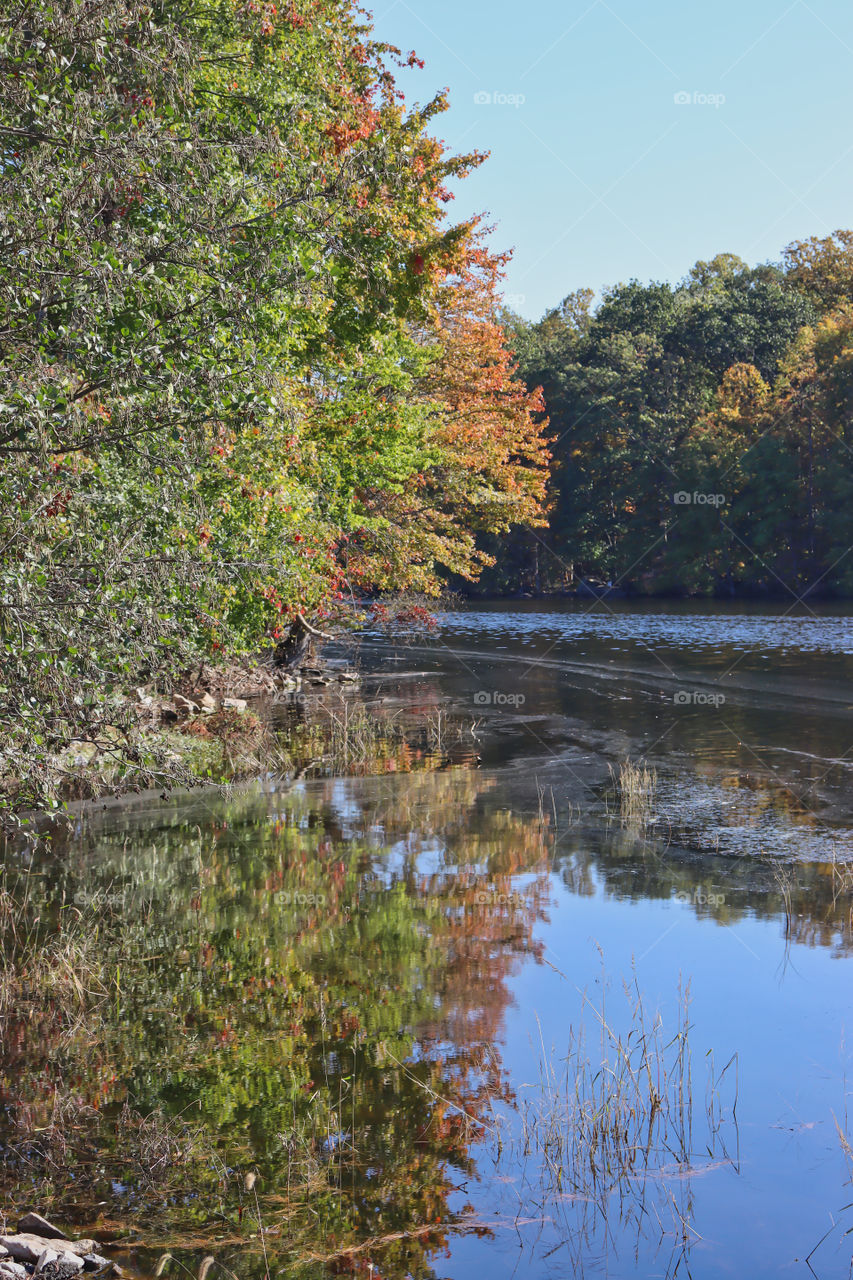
{"x":562,"y":989}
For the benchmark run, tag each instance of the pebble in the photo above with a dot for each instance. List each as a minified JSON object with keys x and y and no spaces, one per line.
{"x":184,"y":704}
{"x":56,"y":1268}
{"x":26,"y":1247}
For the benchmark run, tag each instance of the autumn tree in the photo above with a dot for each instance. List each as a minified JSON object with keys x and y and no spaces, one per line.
{"x":486,"y":466}
{"x":822,"y":267}
{"x":629,"y":386}
{"x":787,"y":451}
{"x":216,"y":335}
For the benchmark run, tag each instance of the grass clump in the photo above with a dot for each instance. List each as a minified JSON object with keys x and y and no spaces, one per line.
{"x":635,"y":789}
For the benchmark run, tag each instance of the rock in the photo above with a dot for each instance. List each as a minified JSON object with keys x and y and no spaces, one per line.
{"x":50,"y":1255}
{"x":39,"y":1226}
{"x":10,"y":1270}
{"x":4,"y":1253}
{"x":26,"y":1247}
{"x":94,"y":1262}
{"x":56,"y":1268}
{"x":235,"y":704}
{"x":145,"y":700}
{"x":184,"y":704}
{"x":208,"y":702}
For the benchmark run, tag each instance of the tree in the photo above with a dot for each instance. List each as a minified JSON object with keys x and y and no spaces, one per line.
{"x":789,"y":450}
{"x":629,"y":388}
{"x":487,"y":465}
{"x":221,"y":237}
{"x":822,"y":267}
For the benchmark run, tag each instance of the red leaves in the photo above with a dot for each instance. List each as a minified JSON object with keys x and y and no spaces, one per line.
{"x":271,"y":595}
{"x":295,"y":19}
{"x":417,"y":617}
{"x":344,"y":136}
{"x":58,"y":504}
{"x":493,"y":425}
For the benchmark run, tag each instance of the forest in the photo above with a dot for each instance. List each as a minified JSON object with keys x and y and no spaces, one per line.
{"x":700,"y":433}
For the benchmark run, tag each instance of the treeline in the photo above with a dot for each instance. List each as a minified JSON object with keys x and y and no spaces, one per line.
{"x":247,"y":366}
{"x":702,"y":433}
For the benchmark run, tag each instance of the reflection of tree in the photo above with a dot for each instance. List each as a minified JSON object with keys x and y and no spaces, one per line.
{"x":318,"y":984}
{"x":814,"y":900}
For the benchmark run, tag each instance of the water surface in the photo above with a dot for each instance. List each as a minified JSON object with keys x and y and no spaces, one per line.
{"x":377,"y":987}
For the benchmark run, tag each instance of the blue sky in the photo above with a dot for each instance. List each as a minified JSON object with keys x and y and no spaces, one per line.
{"x":597,"y":173}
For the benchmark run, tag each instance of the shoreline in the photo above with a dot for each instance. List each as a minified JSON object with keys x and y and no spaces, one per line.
{"x":212,"y":729}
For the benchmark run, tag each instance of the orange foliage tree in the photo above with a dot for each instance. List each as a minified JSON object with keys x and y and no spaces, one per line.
{"x":487,"y":434}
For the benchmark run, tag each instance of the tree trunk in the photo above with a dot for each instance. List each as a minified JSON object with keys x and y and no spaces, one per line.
{"x":293,"y":649}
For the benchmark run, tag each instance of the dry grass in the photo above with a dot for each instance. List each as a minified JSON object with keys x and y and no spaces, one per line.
{"x":60,"y":979}
{"x":619,"y":1108}
{"x":60,"y":964}
{"x":345,"y":740}
{"x":635,"y":788}
{"x":610,"y":1136}
{"x":842,"y":889}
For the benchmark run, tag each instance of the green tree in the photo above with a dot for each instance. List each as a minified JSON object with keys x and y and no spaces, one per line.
{"x":222,"y":246}
{"x":628,"y":386}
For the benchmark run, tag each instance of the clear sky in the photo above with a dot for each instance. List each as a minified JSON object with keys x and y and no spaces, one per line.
{"x":598,"y":173}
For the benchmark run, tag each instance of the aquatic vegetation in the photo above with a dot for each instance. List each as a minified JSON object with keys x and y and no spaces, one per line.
{"x":635,"y":786}
{"x":612,"y":1124}
{"x":287,"y":1046}
{"x":55,"y":965}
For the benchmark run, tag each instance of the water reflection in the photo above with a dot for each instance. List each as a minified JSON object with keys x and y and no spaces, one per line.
{"x":745,"y":712}
{"x":368,"y":993}
{"x":313,"y":985}
{"x":305,"y":985}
